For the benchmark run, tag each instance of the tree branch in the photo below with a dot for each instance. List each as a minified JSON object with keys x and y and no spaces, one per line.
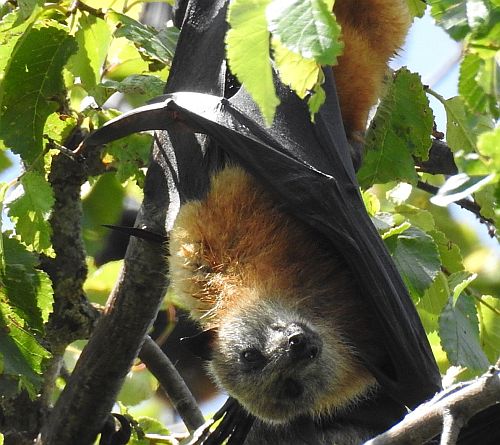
{"x":440,"y":160}
{"x":90,"y":392}
{"x":173,"y":384}
{"x":471,"y":206}
{"x":452,"y":407}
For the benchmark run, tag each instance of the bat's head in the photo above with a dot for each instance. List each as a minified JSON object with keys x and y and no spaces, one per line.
{"x":281,"y":364}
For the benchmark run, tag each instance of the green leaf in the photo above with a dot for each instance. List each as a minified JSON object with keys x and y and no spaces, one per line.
{"x":420,"y":218}
{"x":487,"y":145}
{"x":416,"y":257}
{"x":451,"y":258}
{"x":25,"y":304}
{"x":432,"y":303}
{"x":148,"y":86}
{"x":21,"y":353}
{"x":400,"y":130}
{"x":28,"y":290}
{"x":397,"y":230}
{"x":31,"y":210}
{"x":451,"y":15}
{"x":154,"y":44}
{"x":458,"y":282}
{"x":490,"y":327}
{"x":247,"y":48}
{"x":417,"y":7}
{"x":299,"y":73}
{"x":459,"y":333}
{"x":35,"y":68}
{"x":130,"y":156}
{"x":9,"y":35}
{"x":478,"y":84}
{"x":27,"y":7}
{"x":307,"y":28}
{"x":459,"y":134}
{"x":93,"y":38}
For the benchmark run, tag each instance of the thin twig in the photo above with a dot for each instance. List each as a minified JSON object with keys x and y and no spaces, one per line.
{"x":471,"y":206}
{"x":173,"y":384}
{"x":77,"y":4}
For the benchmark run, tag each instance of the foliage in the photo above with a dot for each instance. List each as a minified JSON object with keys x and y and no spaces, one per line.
{"x":59,"y":64}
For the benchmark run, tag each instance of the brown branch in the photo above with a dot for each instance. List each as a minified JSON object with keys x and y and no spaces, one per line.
{"x":466,"y":204}
{"x":426,"y":421}
{"x":90,"y":392}
{"x":77,"y":4}
{"x":173,"y":384}
{"x":440,"y":160}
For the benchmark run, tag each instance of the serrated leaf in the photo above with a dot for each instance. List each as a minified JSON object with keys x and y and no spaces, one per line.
{"x":416,"y":257}
{"x":400,"y":130}
{"x":9,"y":35}
{"x":93,"y":38}
{"x":307,"y":28}
{"x":247,"y":49}
{"x":417,"y":7}
{"x":459,"y":333}
{"x":458,"y":282}
{"x":459,"y":187}
{"x":35,"y":68}
{"x":451,"y":15}
{"x":157,"y":45}
{"x":299,"y":73}
{"x":420,"y":218}
{"x":451,"y":258}
{"x":490,"y":327}
{"x":459,"y":134}
{"x":478,"y":85}
{"x":433,"y":301}
{"x":31,"y":210}
{"x":148,"y":86}
{"x":22,"y":354}
{"x":28,"y":290}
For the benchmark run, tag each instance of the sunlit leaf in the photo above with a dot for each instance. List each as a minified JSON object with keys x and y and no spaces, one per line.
{"x":307,"y":28}
{"x":247,"y":47}
{"x":36,"y":69}
{"x":416,"y":257}
{"x":459,"y":332}
{"x":400,"y":130}
{"x":31,"y":210}
{"x":490,"y":326}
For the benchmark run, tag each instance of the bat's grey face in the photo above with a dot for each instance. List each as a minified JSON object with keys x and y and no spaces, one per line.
{"x":273,"y":361}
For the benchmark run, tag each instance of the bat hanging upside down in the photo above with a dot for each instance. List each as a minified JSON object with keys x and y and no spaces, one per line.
{"x":282,"y":315}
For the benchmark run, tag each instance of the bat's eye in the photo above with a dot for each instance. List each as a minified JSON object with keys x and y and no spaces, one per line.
{"x":252,"y":356}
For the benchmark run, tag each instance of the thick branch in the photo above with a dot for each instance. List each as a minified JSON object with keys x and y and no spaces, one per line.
{"x":173,"y":384}
{"x":91,"y":390}
{"x":426,"y":421}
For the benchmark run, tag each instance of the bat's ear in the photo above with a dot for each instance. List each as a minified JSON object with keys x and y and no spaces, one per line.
{"x":201,"y":344}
